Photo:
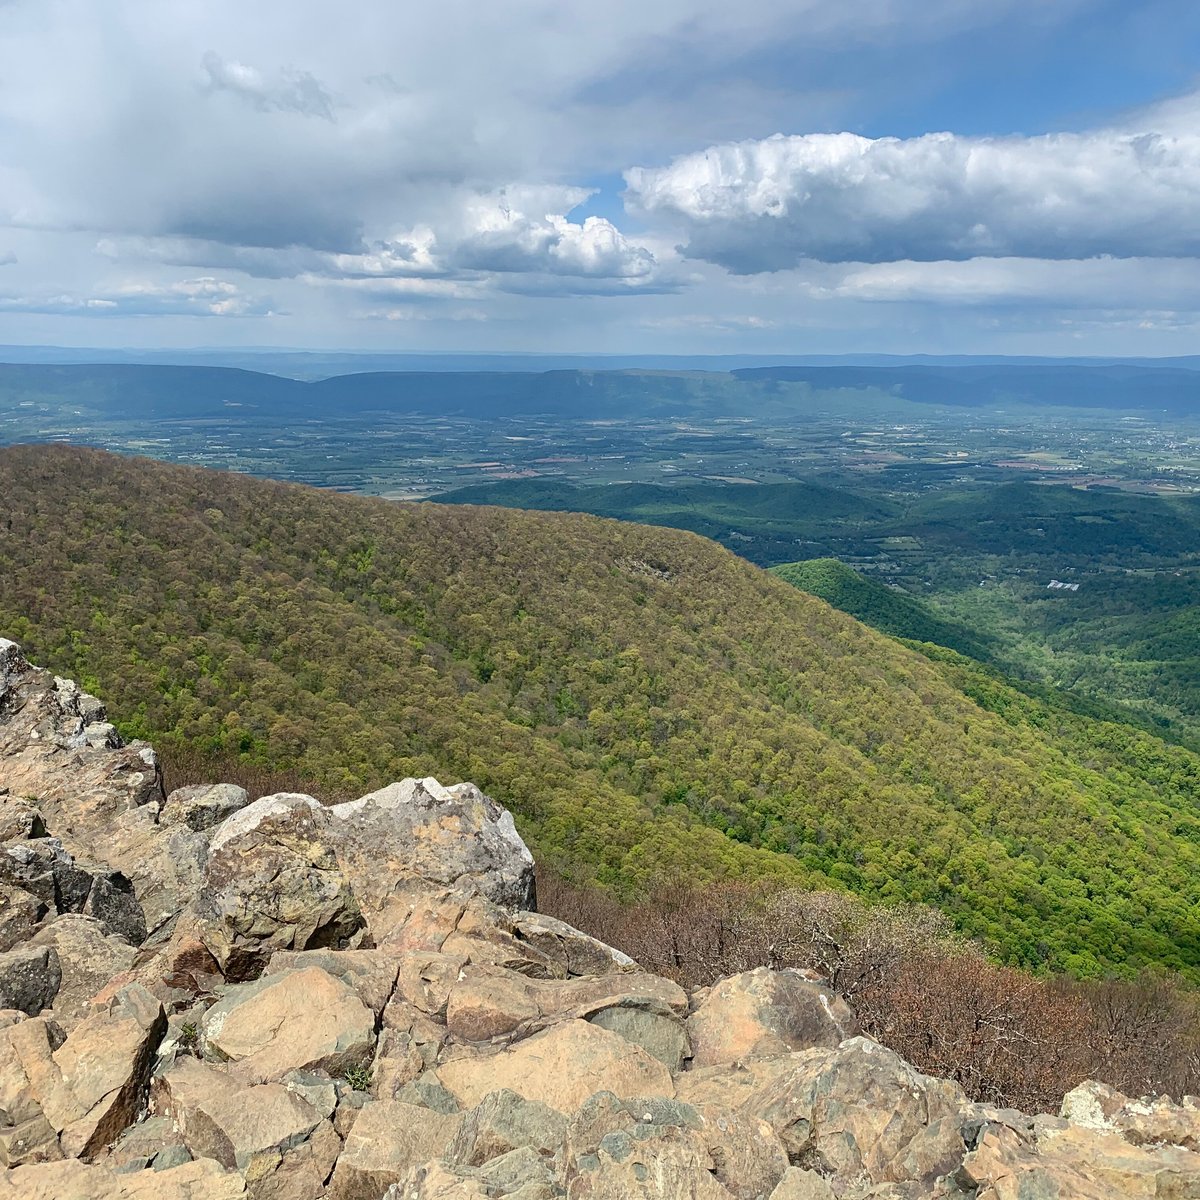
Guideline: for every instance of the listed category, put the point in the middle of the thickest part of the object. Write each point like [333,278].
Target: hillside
[649,705]
[884,608]
[980,557]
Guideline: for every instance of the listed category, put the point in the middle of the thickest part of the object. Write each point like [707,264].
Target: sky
[639,176]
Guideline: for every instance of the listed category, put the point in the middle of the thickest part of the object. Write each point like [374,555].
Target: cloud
[768,205]
[7,258]
[1171,284]
[517,231]
[526,231]
[294,91]
[203,297]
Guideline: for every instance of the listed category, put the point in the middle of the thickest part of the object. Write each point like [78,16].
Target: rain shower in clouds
[784,176]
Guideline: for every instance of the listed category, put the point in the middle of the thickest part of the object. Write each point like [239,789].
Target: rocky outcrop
[208,996]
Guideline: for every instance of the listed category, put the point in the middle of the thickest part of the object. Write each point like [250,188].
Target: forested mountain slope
[885,608]
[649,704]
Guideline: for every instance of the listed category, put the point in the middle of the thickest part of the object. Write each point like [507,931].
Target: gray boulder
[272,882]
[443,835]
[203,806]
[30,977]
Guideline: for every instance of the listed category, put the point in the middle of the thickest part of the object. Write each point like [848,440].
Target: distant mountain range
[157,390]
[320,364]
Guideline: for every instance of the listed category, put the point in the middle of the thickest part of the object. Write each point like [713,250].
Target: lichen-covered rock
[273,883]
[639,1148]
[848,1113]
[520,1174]
[418,828]
[20,914]
[1156,1121]
[302,1020]
[504,1121]
[203,806]
[152,1144]
[30,977]
[65,884]
[20,820]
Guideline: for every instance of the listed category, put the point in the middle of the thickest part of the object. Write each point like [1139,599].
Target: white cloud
[770,204]
[1096,283]
[203,297]
[526,231]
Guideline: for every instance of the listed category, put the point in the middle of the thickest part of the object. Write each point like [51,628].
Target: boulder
[487,1003]
[152,1144]
[64,884]
[576,953]
[849,1113]
[798,1184]
[560,1067]
[1154,1121]
[43,868]
[418,916]
[443,835]
[520,1174]
[203,806]
[302,1020]
[111,900]
[203,1180]
[272,882]
[645,1163]
[241,1126]
[764,1013]
[490,1006]
[30,977]
[370,974]
[1084,1162]
[738,1153]
[387,1140]
[661,1035]
[105,1065]
[504,1121]
[88,1088]
[56,747]
[20,820]
[20,913]
[88,956]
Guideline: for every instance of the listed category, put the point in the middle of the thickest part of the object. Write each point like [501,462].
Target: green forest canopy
[648,704]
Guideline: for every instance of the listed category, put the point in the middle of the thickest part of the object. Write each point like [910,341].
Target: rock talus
[209,995]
